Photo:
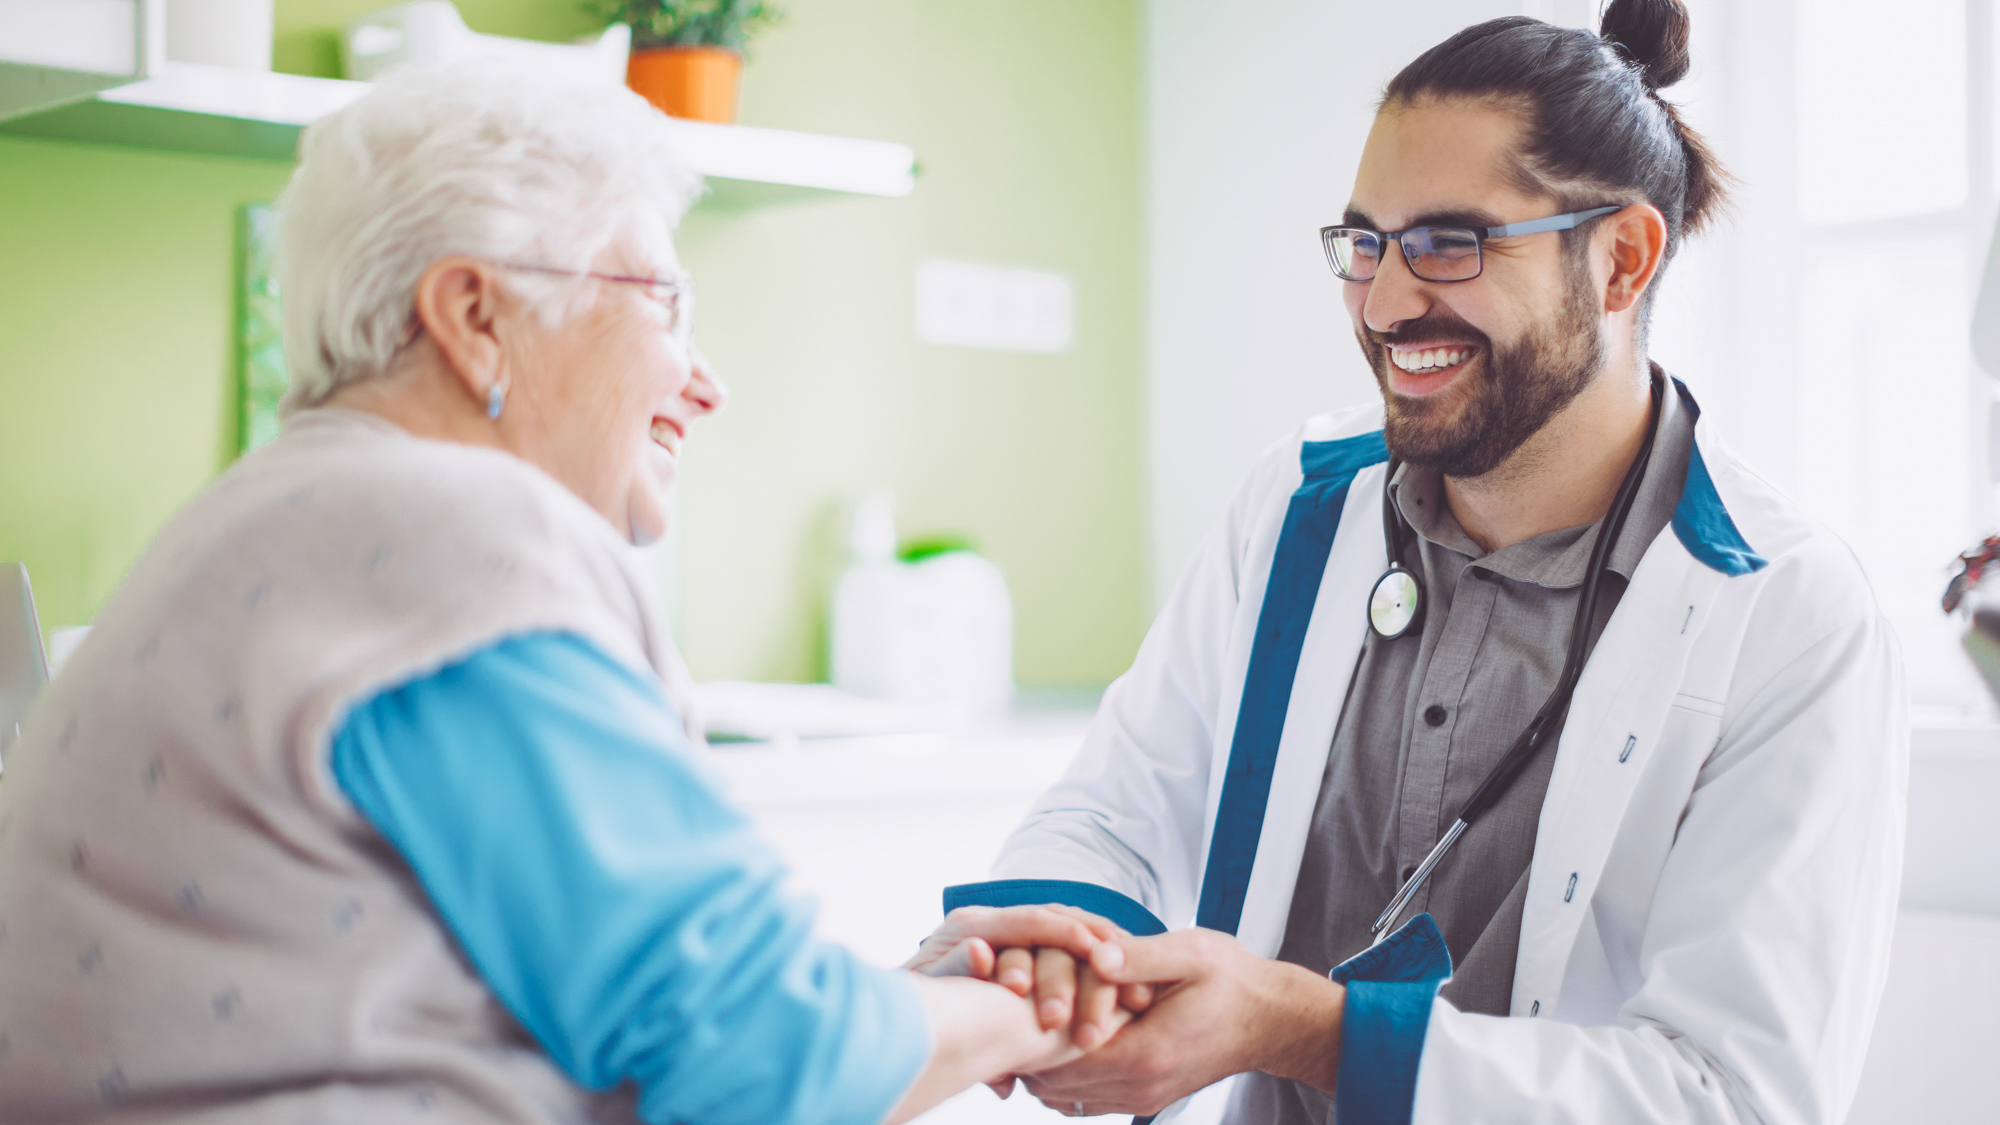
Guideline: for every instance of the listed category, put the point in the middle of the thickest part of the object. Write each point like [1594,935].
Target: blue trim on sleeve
[1414,954]
[1311,521]
[1701,522]
[1390,989]
[620,908]
[1101,901]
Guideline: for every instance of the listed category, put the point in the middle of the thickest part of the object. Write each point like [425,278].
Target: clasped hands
[1147,1020]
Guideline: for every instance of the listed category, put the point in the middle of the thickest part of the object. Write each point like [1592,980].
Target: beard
[1502,398]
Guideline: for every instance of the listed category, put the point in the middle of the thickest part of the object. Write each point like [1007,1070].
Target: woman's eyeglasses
[1433,253]
[675,294]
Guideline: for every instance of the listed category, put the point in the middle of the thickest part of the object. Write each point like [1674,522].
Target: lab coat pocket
[1698,705]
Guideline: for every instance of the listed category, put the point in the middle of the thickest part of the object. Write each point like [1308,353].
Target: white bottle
[871,627]
[937,633]
[220,32]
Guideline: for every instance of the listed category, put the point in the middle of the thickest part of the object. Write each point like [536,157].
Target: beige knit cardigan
[195,925]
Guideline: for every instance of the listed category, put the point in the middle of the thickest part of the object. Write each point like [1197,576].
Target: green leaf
[688,23]
[931,546]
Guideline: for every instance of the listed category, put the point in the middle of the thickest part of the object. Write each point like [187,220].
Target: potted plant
[687,55]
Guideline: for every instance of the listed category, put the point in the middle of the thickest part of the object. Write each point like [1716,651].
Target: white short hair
[470,159]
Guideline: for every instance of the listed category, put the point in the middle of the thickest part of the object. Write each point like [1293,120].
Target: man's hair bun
[1651,35]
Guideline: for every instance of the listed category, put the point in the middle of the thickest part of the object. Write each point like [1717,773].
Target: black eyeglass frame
[1479,236]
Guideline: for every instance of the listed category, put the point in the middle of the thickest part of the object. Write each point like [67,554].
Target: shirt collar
[1561,559]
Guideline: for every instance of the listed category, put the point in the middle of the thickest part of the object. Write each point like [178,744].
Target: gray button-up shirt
[1426,719]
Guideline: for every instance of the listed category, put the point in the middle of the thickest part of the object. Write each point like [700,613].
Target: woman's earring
[496,399]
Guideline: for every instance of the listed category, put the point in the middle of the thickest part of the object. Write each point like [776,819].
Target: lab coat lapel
[1319,689]
[1639,666]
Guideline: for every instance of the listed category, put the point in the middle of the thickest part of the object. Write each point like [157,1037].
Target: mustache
[1431,326]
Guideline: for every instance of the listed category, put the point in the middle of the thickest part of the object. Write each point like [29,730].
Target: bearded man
[1511,752]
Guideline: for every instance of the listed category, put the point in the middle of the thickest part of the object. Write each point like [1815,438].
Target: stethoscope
[1396,605]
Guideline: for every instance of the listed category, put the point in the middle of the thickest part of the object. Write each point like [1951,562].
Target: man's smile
[1426,369]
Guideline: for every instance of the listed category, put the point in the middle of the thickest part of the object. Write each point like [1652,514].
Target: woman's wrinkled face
[602,400]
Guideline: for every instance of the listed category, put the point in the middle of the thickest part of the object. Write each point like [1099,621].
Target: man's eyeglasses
[1433,253]
[675,294]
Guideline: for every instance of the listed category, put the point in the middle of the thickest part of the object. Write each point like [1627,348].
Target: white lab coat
[1715,874]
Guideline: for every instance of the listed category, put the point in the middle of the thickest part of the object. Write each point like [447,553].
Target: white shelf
[245,95]
[68,70]
[746,165]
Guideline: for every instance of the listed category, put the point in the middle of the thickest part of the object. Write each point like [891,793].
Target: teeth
[665,436]
[1430,359]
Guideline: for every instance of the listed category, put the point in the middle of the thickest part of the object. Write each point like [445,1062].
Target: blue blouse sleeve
[623,910]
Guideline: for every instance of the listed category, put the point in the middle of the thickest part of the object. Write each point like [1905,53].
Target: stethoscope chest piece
[1395,603]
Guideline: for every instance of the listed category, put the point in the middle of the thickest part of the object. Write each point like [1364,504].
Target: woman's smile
[668,434]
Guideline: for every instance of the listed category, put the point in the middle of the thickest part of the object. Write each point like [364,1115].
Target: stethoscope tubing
[1555,710]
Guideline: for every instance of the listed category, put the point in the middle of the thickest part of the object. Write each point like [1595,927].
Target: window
[1893,411]
[1882,109]
[1828,321]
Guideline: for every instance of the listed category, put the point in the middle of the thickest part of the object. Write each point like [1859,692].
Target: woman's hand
[1066,989]
[1059,978]
[1043,955]
[980,1033]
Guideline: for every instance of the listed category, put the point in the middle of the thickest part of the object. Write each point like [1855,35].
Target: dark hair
[1596,124]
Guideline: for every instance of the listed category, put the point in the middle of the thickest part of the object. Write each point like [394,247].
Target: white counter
[1932,1055]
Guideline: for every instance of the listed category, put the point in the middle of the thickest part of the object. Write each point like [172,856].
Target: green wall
[116,326]
[1028,143]
[116,345]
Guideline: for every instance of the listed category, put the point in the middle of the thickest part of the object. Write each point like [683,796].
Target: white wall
[1256,117]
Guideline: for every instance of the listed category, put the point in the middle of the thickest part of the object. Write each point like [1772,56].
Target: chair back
[24,667]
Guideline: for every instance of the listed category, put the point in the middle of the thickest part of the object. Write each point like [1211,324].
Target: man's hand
[1066,990]
[974,1039]
[1220,1010]
[1039,953]
[964,945]
[1100,1006]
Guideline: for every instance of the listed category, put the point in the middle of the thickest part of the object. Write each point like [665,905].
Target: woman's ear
[457,303]
[1638,243]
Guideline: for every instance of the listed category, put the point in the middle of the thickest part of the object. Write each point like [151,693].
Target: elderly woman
[374,796]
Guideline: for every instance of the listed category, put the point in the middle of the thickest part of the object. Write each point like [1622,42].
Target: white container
[938,633]
[220,32]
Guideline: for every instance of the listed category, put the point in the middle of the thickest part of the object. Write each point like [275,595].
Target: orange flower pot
[696,82]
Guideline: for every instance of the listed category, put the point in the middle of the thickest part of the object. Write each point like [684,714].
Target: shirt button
[1434,715]
[1409,870]
[1481,573]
